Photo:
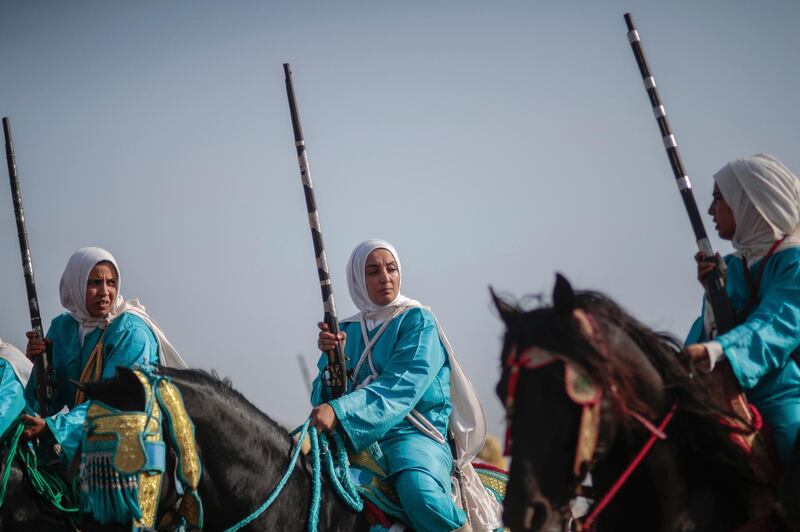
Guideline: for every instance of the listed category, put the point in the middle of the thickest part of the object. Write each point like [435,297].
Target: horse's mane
[223,387]
[697,423]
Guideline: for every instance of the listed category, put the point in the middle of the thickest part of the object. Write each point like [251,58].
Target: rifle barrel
[336,362]
[39,369]
[714,282]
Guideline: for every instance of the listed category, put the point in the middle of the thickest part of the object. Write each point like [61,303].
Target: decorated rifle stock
[336,363]
[714,282]
[43,390]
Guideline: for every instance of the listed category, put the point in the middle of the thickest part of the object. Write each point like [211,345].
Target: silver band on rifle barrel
[322,262]
[649,82]
[670,142]
[300,143]
[684,183]
[326,282]
[705,246]
[329,305]
[659,111]
[633,36]
[27,264]
[313,221]
[305,177]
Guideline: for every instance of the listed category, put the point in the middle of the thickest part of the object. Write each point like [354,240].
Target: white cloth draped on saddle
[18,362]
[73,298]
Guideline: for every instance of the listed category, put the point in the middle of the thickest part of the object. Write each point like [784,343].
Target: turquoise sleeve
[56,402]
[769,335]
[130,347]
[320,393]
[29,394]
[696,333]
[12,402]
[67,429]
[368,413]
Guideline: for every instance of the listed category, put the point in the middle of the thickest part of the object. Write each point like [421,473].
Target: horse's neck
[232,430]
[671,489]
[647,382]
[243,453]
[654,494]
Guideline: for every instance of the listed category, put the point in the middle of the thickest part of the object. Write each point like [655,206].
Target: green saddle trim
[368,469]
[180,432]
[494,481]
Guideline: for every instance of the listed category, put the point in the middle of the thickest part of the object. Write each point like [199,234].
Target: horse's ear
[507,311]
[563,296]
[127,377]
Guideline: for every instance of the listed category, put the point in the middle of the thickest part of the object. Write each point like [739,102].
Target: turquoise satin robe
[12,401]
[127,342]
[414,373]
[761,348]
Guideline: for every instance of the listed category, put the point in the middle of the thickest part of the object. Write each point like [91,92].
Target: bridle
[583,391]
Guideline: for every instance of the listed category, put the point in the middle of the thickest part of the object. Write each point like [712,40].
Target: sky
[493,143]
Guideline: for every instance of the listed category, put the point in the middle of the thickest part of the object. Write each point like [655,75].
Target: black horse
[692,478]
[243,452]
[23,510]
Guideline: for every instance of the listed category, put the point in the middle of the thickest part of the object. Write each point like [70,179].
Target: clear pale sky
[494,143]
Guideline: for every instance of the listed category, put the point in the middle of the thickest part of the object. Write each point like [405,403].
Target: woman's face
[722,214]
[101,289]
[383,277]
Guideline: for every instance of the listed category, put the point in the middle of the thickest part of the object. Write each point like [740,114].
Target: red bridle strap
[657,434]
[531,358]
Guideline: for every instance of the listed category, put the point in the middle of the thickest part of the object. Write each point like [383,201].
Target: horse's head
[569,376]
[124,391]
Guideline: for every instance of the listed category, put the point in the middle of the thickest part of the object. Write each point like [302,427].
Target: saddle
[382,506]
[746,426]
[123,456]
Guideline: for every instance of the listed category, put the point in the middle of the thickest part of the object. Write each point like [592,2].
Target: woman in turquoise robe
[15,370]
[99,332]
[399,392]
[757,206]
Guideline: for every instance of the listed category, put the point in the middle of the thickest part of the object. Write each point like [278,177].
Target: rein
[47,485]
[655,434]
[319,448]
[755,283]
[535,358]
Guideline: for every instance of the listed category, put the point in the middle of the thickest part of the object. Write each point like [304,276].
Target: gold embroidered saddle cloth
[123,456]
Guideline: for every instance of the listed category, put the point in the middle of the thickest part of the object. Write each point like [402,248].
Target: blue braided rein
[342,484]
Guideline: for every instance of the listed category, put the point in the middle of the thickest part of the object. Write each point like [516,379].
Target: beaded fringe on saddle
[111,497]
[382,505]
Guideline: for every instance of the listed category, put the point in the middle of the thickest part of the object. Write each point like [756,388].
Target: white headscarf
[19,363]
[357,285]
[764,196]
[73,298]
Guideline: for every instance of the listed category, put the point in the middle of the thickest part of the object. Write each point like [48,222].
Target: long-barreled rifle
[43,389]
[725,389]
[714,281]
[336,363]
